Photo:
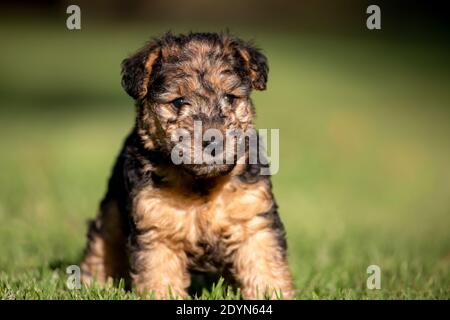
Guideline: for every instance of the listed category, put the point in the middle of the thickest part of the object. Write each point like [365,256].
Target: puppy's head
[195,82]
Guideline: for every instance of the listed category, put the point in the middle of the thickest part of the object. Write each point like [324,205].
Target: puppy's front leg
[261,268]
[159,270]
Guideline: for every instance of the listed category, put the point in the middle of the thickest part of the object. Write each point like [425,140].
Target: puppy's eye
[230,98]
[179,102]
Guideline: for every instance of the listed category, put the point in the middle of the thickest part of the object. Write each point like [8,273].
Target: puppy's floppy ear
[255,64]
[137,69]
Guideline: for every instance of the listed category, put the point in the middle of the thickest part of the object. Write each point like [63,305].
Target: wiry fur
[159,221]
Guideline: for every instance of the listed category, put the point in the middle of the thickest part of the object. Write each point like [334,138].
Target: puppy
[160,219]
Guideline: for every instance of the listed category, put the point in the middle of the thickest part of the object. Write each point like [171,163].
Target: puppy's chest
[206,227]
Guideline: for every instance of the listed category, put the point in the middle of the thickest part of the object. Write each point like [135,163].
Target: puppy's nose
[213,144]
[206,143]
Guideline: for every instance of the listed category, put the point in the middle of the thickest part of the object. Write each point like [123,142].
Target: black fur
[134,71]
[144,159]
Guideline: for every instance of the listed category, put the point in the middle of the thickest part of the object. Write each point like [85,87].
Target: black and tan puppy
[159,221]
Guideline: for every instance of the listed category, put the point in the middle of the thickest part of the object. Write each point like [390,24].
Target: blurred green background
[364,125]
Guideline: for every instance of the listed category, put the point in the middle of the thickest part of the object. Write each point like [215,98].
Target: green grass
[364,167]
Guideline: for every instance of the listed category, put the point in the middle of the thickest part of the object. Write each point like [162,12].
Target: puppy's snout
[206,143]
[213,143]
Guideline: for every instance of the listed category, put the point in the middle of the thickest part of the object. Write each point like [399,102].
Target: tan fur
[260,268]
[105,257]
[218,218]
[148,67]
[229,217]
